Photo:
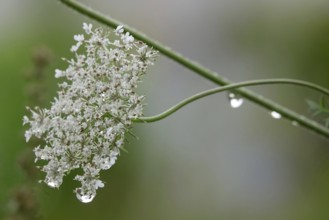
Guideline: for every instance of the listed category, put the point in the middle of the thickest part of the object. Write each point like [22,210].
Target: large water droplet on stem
[235,100]
[275,115]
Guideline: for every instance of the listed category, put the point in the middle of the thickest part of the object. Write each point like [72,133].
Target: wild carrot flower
[86,124]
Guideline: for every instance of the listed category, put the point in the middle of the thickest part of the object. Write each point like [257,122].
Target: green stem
[230,87]
[197,68]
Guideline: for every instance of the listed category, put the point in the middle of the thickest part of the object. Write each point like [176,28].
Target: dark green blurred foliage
[22,202]
[293,41]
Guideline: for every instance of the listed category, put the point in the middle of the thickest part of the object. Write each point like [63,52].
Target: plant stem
[230,87]
[199,69]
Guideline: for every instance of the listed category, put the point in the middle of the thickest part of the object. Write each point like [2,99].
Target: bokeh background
[207,161]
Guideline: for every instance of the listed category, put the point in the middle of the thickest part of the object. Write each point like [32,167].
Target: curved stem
[230,87]
[199,69]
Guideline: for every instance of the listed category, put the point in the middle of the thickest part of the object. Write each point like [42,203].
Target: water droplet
[36,131]
[275,115]
[235,100]
[53,184]
[295,123]
[103,97]
[85,198]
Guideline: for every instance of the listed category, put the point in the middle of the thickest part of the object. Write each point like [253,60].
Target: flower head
[86,124]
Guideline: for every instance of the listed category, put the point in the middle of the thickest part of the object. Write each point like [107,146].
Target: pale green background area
[207,161]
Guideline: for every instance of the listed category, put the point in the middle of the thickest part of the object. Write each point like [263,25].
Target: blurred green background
[207,161]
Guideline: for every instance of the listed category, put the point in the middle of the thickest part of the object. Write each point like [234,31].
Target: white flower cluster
[86,124]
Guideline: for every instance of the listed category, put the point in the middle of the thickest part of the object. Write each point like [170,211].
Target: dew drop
[37,130]
[235,100]
[275,115]
[103,97]
[53,184]
[294,123]
[86,198]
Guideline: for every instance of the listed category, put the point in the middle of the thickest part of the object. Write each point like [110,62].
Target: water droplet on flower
[103,97]
[37,130]
[53,183]
[235,100]
[85,198]
[275,115]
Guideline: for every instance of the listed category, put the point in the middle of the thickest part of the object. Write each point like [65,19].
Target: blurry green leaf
[323,102]
[326,122]
[316,113]
[312,105]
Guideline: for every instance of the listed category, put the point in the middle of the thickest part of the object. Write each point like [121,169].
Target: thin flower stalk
[230,87]
[201,70]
